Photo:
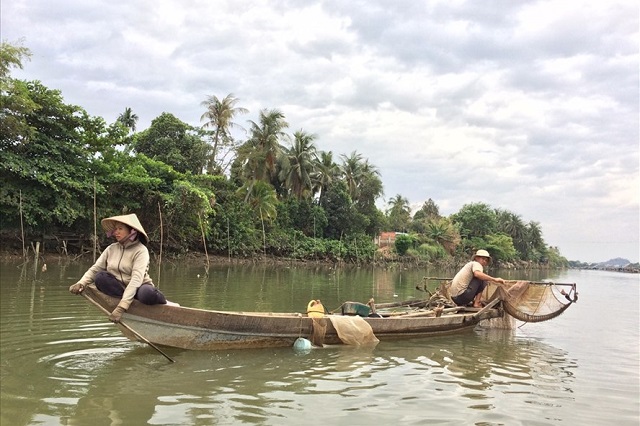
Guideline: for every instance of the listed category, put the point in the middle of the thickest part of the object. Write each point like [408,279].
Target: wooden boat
[198,329]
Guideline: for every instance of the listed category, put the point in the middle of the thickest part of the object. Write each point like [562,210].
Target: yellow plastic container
[315,309]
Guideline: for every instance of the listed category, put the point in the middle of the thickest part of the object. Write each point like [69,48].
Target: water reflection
[260,386]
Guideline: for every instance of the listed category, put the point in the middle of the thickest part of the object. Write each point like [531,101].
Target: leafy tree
[232,226]
[11,56]
[51,168]
[343,219]
[173,142]
[369,185]
[219,117]
[184,225]
[369,190]
[99,139]
[15,100]
[403,243]
[475,220]
[429,210]
[501,247]
[303,216]
[555,259]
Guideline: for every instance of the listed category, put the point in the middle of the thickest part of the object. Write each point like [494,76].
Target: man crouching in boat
[470,281]
[122,269]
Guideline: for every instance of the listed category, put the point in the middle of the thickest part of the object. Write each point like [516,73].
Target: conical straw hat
[131,220]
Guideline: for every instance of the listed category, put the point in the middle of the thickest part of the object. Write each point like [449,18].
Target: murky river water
[62,363]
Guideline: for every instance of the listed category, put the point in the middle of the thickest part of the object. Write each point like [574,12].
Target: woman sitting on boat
[122,269]
[470,281]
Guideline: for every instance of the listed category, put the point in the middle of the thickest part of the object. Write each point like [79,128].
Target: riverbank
[382,259]
[70,247]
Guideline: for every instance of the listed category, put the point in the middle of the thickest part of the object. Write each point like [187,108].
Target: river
[63,363]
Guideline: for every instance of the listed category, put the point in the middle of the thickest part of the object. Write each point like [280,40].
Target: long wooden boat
[198,329]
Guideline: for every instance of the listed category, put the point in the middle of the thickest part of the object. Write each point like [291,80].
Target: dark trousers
[475,286]
[147,293]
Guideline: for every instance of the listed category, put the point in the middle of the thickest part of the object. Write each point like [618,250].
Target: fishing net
[532,302]
[318,330]
[353,330]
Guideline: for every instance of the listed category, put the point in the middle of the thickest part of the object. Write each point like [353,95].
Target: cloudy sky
[529,106]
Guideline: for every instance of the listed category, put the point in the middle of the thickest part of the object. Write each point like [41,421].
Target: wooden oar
[138,335]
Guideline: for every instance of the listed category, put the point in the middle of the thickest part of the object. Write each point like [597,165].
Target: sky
[527,106]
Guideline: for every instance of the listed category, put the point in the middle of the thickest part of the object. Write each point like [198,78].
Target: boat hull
[198,329]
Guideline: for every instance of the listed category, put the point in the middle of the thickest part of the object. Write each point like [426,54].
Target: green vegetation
[274,194]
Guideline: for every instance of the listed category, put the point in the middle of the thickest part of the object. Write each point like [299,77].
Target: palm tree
[444,232]
[128,119]
[512,225]
[263,148]
[325,171]
[297,165]
[352,169]
[219,117]
[262,198]
[534,238]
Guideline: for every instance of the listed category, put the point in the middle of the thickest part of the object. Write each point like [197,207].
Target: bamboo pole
[24,250]
[36,256]
[204,241]
[138,335]
[95,220]
[161,241]
[506,281]
[228,241]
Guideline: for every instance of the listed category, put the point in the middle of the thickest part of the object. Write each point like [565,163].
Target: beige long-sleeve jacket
[128,262]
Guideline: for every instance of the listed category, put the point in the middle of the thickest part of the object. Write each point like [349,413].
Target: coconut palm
[219,117]
[128,119]
[297,165]
[325,171]
[512,225]
[262,199]
[352,169]
[263,148]
[534,238]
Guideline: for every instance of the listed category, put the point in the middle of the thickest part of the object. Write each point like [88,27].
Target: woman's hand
[77,288]
[116,314]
